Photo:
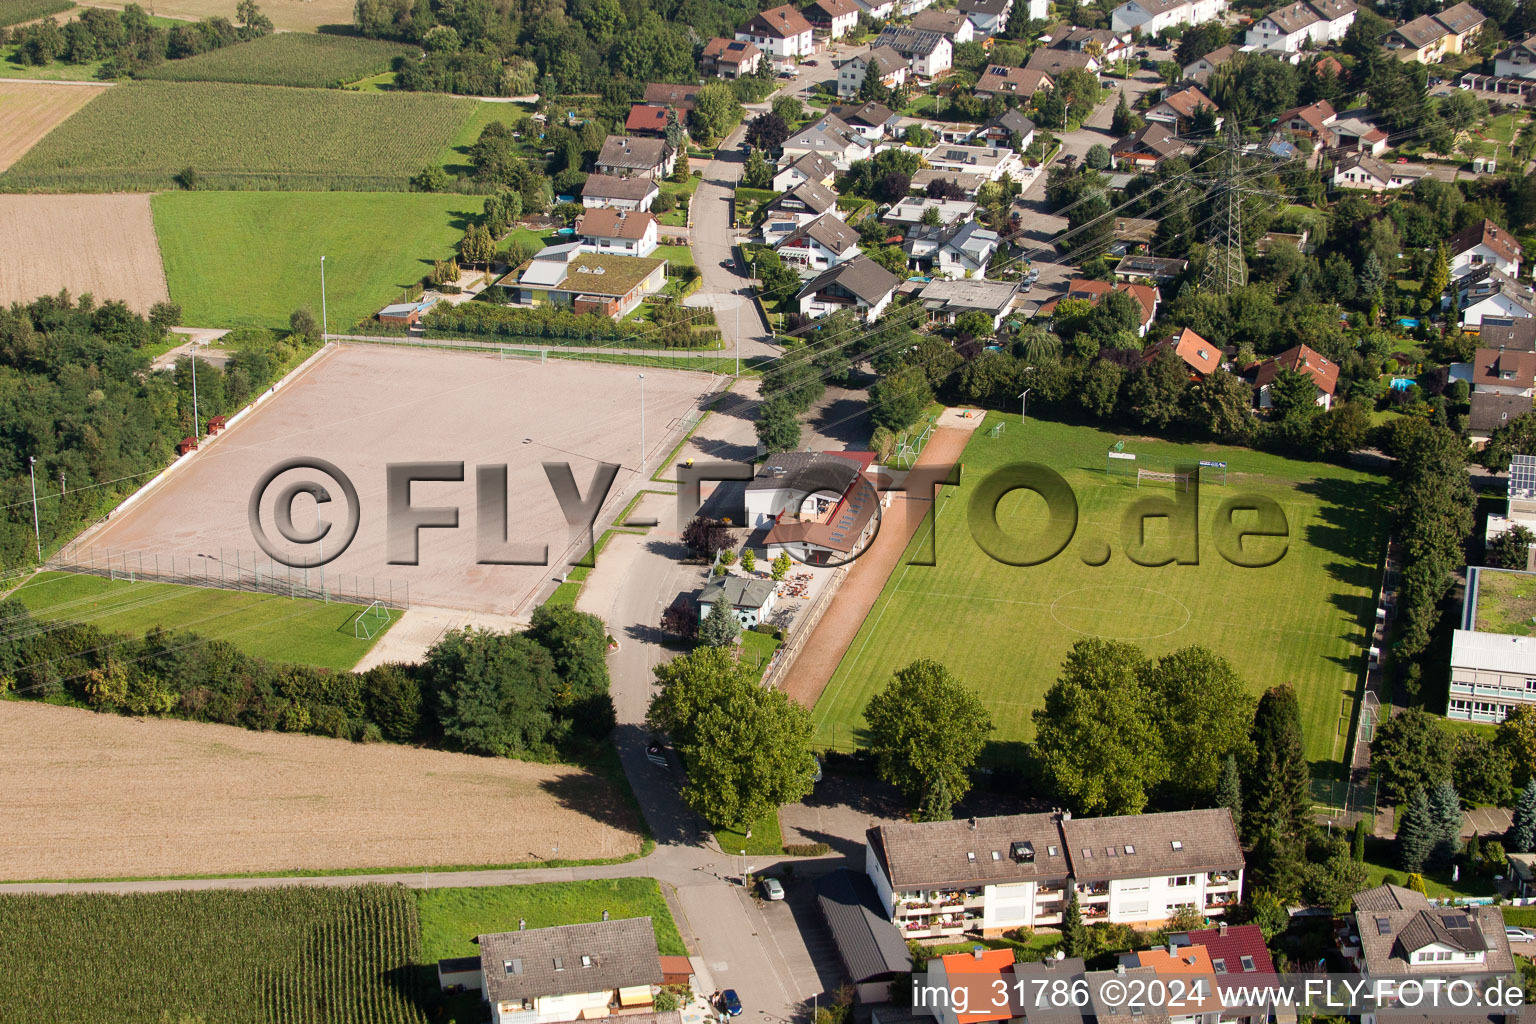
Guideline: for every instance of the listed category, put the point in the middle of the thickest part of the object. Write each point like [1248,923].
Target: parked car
[773,889]
[1519,934]
[730,1003]
[807,63]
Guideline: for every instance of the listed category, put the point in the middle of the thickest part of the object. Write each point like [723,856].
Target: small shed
[676,970]
[459,973]
[188,444]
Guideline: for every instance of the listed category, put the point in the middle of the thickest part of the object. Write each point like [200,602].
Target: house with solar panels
[820,507]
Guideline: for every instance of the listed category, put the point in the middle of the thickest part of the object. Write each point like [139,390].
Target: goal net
[997,428]
[1180,481]
[370,620]
[536,355]
[125,575]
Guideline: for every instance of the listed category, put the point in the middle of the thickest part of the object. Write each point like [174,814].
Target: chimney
[1221,928]
[1173,948]
[978,951]
[1119,968]
[972,823]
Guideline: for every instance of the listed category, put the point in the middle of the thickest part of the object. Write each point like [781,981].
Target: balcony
[1091,912]
[1092,889]
[1222,899]
[1220,878]
[1048,891]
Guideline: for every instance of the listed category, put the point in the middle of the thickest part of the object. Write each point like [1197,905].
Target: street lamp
[36,529]
[324,325]
[642,422]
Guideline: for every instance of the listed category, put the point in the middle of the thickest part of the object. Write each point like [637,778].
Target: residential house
[831,138]
[1430,38]
[780,32]
[1010,128]
[730,58]
[1491,411]
[1053,62]
[750,599]
[1518,60]
[1199,69]
[1494,671]
[877,10]
[819,507]
[894,70]
[966,182]
[1363,171]
[1313,122]
[832,18]
[615,193]
[1519,510]
[1493,295]
[1353,133]
[990,875]
[929,54]
[872,951]
[946,300]
[806,167]
[1270,239]
[1303,359]
[1159,270]
[587,282]
[1000,80]
[955,25]
[570,972]
[1132,233]
[628,157]
[1306,22]
[991,162]
[875,121]
[859,284]
[1186,969]
[1104,44]
[799,206]
[911,211]
[1235,949]
[1396,936]
[1202,358]
[1181,107]
[819,244]
[991,16]
[1147,296]
[1147,147]
[1483,245]
[669,94]
[952,250]
[1514,335]
[1149,17]
[650,119]
[1501,372]
[621,232]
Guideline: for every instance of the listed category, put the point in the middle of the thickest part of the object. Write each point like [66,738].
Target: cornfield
[142,136]
[344,955]
[14,12]
[286,58]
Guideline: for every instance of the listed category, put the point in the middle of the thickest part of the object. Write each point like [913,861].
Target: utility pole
[37,530]
[324,324]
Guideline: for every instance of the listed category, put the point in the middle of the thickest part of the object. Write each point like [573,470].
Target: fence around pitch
[234,570]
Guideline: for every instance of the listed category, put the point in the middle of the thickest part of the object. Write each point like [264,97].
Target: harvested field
[287,58]
[29,110]
[102,796]
[287,15]
[104,245]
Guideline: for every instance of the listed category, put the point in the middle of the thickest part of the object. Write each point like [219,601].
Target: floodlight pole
[324,324]
[642,423]
[36,529]
[196,432]
[1024,403]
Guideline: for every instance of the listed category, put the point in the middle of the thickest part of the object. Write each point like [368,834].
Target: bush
[807,849]
[663,203]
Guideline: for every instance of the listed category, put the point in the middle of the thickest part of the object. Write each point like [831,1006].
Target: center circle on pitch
[1120,612]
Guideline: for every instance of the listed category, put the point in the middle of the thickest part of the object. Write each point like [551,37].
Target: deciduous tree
[927,729]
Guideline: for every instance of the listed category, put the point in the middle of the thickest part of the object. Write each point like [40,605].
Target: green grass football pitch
[249,259]
[1004,630]
[265,625]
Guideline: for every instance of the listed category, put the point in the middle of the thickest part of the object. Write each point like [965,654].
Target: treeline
[128,42]
[672,326]
[536,695]
[77,394]
[586,46]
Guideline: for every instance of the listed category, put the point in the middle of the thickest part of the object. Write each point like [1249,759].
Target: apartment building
[939,879]
[1297,25]
[1493,670]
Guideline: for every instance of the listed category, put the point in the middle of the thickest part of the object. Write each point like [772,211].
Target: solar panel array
[1522,476]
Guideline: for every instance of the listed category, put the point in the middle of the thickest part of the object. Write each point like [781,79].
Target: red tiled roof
[782,22]
[1487,233]
[1201,356]
[647,117]
[1303,359]
[1093,291]
[1239,940]
[606,223]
